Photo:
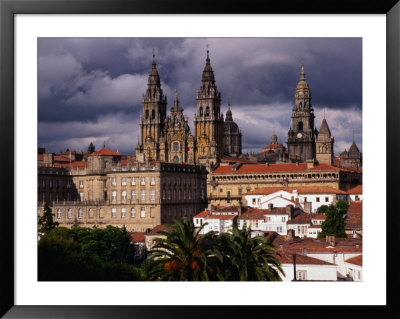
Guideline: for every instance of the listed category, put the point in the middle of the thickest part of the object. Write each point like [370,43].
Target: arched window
[153,114]
[175,146]
[300,106]
[305,105]
[201,111]
[207,111]
[147,114]
[300,126]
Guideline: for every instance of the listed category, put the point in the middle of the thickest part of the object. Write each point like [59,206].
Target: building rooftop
[355,260]
[355,190]
[299,189]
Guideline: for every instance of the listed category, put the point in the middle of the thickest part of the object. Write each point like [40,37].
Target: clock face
[299,135]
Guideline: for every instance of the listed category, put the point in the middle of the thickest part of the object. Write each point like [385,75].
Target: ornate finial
[104,145]
[302,74]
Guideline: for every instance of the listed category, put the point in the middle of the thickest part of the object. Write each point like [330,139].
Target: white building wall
[313,272]
[354,271]
[335,258]
[276,223]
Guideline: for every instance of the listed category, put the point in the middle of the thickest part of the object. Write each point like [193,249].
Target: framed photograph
[93,43]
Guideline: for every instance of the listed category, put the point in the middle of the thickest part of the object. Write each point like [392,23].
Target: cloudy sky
[90,89]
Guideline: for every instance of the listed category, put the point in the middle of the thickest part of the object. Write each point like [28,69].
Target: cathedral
[168,137]
[305,143]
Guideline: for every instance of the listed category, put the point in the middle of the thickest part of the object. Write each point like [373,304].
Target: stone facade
[139,196]
[324,144]
[227,183]
[168,138]
[351,158]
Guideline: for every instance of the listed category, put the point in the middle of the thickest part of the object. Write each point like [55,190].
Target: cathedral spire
[228,116]
[176,107]
[208,73]
[302,74]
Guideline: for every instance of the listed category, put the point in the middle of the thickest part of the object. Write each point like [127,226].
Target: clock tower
[301,135]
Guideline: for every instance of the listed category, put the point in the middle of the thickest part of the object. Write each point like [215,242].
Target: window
[326,199]
[114,195]
[184,194]
[283,219]
[142,212]
[253,201]
[59,214]
[152,194]
[80,213]
[142,181]
[189,194]
[143,195]
[201,111]
[68,184]
[113,212]
[176,159]
[56,184]
[123,181]
[152,180]
[38,211]
[44,184]
[302,275]
[51,197]
[123,212]
[317,199]
[113,181]
[69,213]
[175,146]
[240,191]
[81,196]
[133,213]
[123,195]
[163,194]
[133,195]
[80,184]
[50,183]
[169,194]
[133,181]
[279,229]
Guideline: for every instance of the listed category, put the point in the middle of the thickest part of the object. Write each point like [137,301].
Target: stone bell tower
[301,135]
[208,120]
[154,106]
[324,144]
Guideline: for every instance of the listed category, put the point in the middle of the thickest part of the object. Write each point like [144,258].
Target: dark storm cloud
[91,89]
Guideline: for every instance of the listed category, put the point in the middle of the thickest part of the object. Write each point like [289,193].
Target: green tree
[323,209]
[46,222]
[334,222]
[184,254]
[248,259]
[91,148]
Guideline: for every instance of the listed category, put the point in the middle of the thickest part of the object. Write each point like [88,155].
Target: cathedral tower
[324,144]
[208,120]
[154,105]
[301,136]
[177,145]
[232,135]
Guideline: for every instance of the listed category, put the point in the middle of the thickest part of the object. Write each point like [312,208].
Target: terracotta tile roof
[302,219]
[203,214]
[300,190]
[311,245]
[318,216]
[355,190]
[105,151]
[77,164]
[353,222]
[60,158]
[137,237]
[355,208]
[270,147]
[286,199]
[221,209]
[156,229]
[254,213]
[287,258]
[355,260]
[314,226]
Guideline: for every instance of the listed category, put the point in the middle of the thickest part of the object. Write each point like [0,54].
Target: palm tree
[248,259]
[184,254]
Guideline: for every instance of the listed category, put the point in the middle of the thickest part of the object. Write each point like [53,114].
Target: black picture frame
[9,8]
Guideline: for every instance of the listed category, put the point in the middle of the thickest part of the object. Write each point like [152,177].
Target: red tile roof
[156,229]
[318,216]
[254,213]
[60,158]
[355,190]
[270,147]
[203,214]
[287,258]
[105,151]
[355,208]
[302,219]
[286,199]
[355,260]
[300,190]
[137,237]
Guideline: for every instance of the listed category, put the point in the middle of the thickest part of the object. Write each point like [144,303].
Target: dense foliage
[184,254]
[334,223]
[87,254]
[46,222]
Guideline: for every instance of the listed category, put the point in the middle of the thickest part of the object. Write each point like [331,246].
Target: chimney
[289,211]
[310,164]
[270,206]
[307,207]
[330,239]
[297,163]
[290,234]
